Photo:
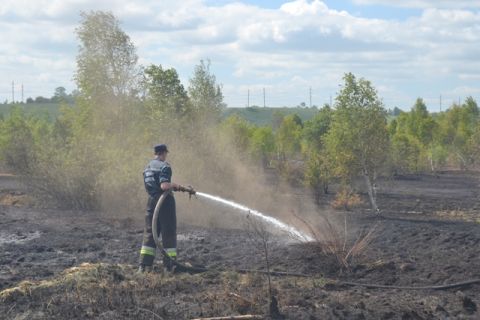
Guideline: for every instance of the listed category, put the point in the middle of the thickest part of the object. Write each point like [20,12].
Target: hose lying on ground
[190,269]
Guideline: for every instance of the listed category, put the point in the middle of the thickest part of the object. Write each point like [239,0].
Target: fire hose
[180,267]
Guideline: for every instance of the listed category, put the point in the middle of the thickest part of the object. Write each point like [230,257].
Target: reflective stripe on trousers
[171,252]
[148,251]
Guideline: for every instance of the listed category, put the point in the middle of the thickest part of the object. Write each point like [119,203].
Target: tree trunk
[371,191]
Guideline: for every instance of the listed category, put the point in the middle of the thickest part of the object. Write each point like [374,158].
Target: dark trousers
[166,226]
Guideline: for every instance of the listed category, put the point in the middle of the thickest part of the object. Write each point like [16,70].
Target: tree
[288,137]
[318,171]
[17,145]
[107,61]
[357,141]
[395,112]
[414,140]
[288,148]
[41,99]
[205,94]
[165,92]
[238,132]
[262,144]
[421,124]
[315,129]
[107,76]
[277,119]
[457,127]
[60,95]
[407,153]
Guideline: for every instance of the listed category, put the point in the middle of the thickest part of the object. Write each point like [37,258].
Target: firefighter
[158,179]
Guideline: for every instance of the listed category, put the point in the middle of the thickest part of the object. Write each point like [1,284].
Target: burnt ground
[57,264]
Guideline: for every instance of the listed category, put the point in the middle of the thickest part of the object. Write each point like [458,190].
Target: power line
[310,97]
[264,105]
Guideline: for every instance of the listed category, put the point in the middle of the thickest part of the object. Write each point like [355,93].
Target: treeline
[93,154]
[59,96]
[353,138]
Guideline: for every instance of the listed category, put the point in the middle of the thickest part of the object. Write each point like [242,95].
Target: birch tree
[357,141]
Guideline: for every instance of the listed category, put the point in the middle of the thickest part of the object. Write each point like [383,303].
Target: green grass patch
[265,116]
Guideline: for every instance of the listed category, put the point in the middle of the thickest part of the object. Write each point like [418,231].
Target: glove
[188,189]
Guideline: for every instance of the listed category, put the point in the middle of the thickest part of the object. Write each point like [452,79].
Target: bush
[17,142]
[346,199]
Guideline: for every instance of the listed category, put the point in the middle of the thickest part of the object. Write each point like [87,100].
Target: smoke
[200,156]
[210,163]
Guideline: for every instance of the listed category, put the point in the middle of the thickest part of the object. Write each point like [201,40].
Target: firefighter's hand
[188,189]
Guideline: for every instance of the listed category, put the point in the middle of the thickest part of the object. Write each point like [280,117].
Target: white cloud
[254,47]
[423,3]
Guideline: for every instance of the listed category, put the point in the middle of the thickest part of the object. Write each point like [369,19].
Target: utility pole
[310,97]
[264,97]
[22,92]
[248,98]
[440,103]
[331,101]
[13,91]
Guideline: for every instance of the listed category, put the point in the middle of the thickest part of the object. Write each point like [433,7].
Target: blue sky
[407,48]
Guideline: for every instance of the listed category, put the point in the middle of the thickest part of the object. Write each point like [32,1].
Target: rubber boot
[144,269]
[168,265]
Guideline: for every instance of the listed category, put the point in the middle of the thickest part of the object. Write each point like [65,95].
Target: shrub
[346,199]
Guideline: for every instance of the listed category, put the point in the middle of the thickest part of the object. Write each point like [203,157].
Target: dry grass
[333,241]
[464,215]
[346,199]
[16,199]
[90,290]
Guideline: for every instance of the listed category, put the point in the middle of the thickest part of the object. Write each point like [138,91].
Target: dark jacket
[155,174]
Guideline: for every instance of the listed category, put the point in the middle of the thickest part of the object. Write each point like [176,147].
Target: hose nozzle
[188,189]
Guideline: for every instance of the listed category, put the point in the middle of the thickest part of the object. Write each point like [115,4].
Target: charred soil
[57,264]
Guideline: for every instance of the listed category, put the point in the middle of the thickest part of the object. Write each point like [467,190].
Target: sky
[407,49]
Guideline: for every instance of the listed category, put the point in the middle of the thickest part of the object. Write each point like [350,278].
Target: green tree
[277,119]
[358,139]
[457,126]
[288,138]
[205,94]
[17,143]
[262,144]
[238,132]
[315,129]
[60,95]
[107,61]
[407,153]
[414,140]
[318,169]
[288,148]
[165,94]
[318,172]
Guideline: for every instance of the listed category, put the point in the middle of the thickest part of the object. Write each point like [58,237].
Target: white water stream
[270,220]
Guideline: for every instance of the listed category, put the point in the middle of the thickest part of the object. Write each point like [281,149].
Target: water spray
[277,224]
